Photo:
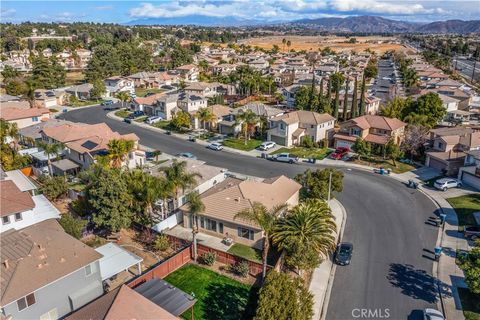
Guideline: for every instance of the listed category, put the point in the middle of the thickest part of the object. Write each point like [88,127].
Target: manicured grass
[164,124]
[218,297]
[240,144]
[143,92]
[387,164]
[309,153]
[122,113]
[246,252]
[141,119]
[83,103]
[470,304]
[465,206]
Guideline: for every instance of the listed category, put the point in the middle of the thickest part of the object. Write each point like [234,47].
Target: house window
[18,216]
[202,222]
[6,220]
[34,119]
[245,233]
[356,132]
[282,126]
[26,301]
[88,270]
[220,227]
[440,145]
[312,126]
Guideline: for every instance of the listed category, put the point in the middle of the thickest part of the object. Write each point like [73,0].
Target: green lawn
[143,92]
[470,304]
[83,103]
[141,119]
[164,124]
[240,144]
[464,207]
[316,153]
[219,297]
[122,113]
[387,164]
[246,252]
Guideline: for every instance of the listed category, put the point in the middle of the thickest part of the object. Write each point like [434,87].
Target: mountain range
[355,24]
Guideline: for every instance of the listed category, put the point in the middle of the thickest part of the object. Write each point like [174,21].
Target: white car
[215,146]
[447,183]
[267,145]
[285,157]
[152,120]
[432,314]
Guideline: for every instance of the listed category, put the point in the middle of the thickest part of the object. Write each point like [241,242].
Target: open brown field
[314,43]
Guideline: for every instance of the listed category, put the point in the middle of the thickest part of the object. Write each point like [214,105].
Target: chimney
[6,264]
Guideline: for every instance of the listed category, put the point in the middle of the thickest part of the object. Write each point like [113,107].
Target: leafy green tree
[396,108]
[98,89]
[9,73]
[265,218]
[414,140]
[133,58]
[110,200]
[302,98]
[470,265]
[308,226]
[118,150]
[123,96]
[315,183]
[71,225]
[393,151]
[105,62]
[429,105]
[53,187]
[248,120]
[181,121]
[284,297]
[205,115]
[196,207]
[48,73]
[362,147]
[371,70]
[337,79]
[161,243]
[15,87]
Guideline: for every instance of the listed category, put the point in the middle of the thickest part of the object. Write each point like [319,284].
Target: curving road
[390,274]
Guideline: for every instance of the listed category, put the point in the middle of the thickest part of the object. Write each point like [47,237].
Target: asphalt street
[390,276]
[465,67]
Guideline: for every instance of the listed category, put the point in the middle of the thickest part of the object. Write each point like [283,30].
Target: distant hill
[360,24]
[451,26]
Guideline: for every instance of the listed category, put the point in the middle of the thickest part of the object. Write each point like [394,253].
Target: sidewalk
[322,279]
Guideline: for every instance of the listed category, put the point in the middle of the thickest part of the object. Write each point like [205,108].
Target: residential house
[291,128]
[371,128]
[46,273]
[203,89]
[226,199]
[371,104]
[45,98]
[288,94]
[81,92]
[19,208]
[470,172]
[220,112]
[22,114]
[223,69]
[189,72]
[165,106]
[31,135]
[448,147]
[147,104]
[115,85]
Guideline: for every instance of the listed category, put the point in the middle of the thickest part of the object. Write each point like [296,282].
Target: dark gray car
[343,254]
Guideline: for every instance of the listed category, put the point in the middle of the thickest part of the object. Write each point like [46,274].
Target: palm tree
[284,41]
[196,206]
[310,224]
[118,150]
[179,178]
[265,218]
[248,119]
[205,115]
[50,149]
[289,43]
[123,96]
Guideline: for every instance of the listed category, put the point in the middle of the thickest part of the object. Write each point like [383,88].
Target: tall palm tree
[205,115]
[123,96]
[196,206]
[118,150]
[178,177]
[248,119]
[265,218]
[284,41]
[311,224]
[50,149]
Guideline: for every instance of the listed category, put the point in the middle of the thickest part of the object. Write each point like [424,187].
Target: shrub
[162,243]
[242,268]
[80,206]
[71,225]
[53,187]
[208,258]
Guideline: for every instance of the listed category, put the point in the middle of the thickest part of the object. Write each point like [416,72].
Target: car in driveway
[187,155]
[215,146]
[339,153]
[447,183]
[267,145]
[471,232]
[285,157]
[343,254]
[432,314]
[154,119]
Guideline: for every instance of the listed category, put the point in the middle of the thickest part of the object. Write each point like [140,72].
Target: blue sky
[262,10]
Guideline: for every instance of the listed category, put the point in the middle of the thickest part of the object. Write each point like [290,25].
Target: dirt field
[314,43]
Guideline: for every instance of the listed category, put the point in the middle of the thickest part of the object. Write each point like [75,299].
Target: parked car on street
[267,145]
[447,183]
[152,120]
[432,314]
[107,103]
[343,254]
[187,155]
[472,232]
[339,153]
[285,157]
[215,146]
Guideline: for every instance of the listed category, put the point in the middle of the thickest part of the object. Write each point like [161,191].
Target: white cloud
[7,13]
[377,7]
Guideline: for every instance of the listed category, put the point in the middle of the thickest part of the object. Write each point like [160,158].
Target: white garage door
[342,143]
[471,180]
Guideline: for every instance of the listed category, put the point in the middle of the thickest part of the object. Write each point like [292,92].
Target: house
[22,114]
[203,89]
[84,141]
[121,303]
[46,273]
[117,84]
[291,128]
[223,69]
[219,113]
[81,92]
[188,72]
[31,135]
[45,98]
[470,172]
[371,128]
[164,106]
[448,147]
[224,200]
[147,104]
[288,94]
[20,209]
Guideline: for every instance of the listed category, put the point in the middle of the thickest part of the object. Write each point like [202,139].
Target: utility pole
[329,186]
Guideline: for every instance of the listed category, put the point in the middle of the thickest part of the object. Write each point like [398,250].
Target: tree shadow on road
[416,283]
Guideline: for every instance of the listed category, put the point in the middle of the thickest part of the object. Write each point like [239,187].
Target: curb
[326,299]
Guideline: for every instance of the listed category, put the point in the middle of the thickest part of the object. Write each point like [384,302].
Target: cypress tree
[362,97]
[345,101]
[337,100]
[320,94]
[354,100]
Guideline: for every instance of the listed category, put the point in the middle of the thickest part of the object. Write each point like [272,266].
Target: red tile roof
[13,200]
